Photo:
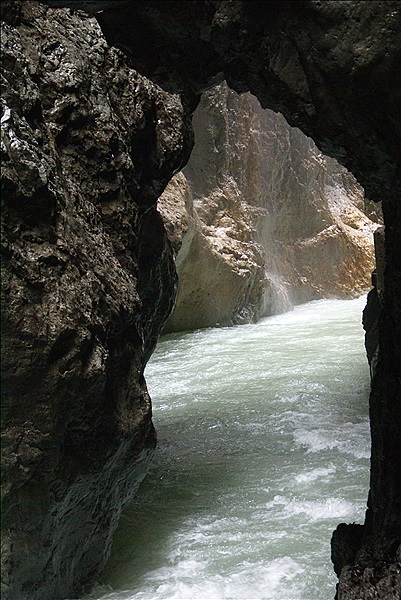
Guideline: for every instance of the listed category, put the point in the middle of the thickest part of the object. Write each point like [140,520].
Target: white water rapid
[263,449]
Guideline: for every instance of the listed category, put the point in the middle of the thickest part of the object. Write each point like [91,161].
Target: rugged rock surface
[332,69]
[87,282]
[272,222]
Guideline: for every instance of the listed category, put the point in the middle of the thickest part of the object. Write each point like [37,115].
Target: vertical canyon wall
[87,282]
[260,219]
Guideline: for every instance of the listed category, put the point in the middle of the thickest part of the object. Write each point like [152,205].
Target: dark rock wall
[332,68]
[79,315]
[87,283]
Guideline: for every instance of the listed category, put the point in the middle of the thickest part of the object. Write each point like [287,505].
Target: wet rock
[370,321]
[345,543]
[381,581]
[332,69]
[87,283]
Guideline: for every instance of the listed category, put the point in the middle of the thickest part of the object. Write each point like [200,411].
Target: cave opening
[99,276]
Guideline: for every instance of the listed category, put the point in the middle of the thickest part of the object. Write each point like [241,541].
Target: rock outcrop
[87,283]
[331,68]
[266,221]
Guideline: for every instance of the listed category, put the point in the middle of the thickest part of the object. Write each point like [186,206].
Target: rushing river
[263,449]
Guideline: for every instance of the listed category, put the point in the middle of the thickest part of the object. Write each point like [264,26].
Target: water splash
[263,449]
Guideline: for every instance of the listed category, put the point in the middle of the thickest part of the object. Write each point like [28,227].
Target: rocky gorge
[93,129]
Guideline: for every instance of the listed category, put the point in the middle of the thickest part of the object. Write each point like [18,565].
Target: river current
[263,449]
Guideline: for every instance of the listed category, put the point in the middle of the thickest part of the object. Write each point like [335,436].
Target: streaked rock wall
[269,221]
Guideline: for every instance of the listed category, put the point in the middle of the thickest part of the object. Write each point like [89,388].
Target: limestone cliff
[87,282]
[265,220]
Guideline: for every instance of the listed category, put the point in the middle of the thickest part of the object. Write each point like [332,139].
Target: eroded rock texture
[332,69]
[266,221]
[87,282]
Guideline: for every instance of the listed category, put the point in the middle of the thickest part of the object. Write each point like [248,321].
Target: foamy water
[263,449]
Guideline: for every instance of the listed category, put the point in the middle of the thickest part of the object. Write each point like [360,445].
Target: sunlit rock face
[87,283]
[265,220]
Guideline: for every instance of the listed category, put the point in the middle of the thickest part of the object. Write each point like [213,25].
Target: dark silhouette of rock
[87,283]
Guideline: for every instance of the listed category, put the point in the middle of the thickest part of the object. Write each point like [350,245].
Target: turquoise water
[263,449]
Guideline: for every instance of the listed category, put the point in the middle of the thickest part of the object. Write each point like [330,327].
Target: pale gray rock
[270,221]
